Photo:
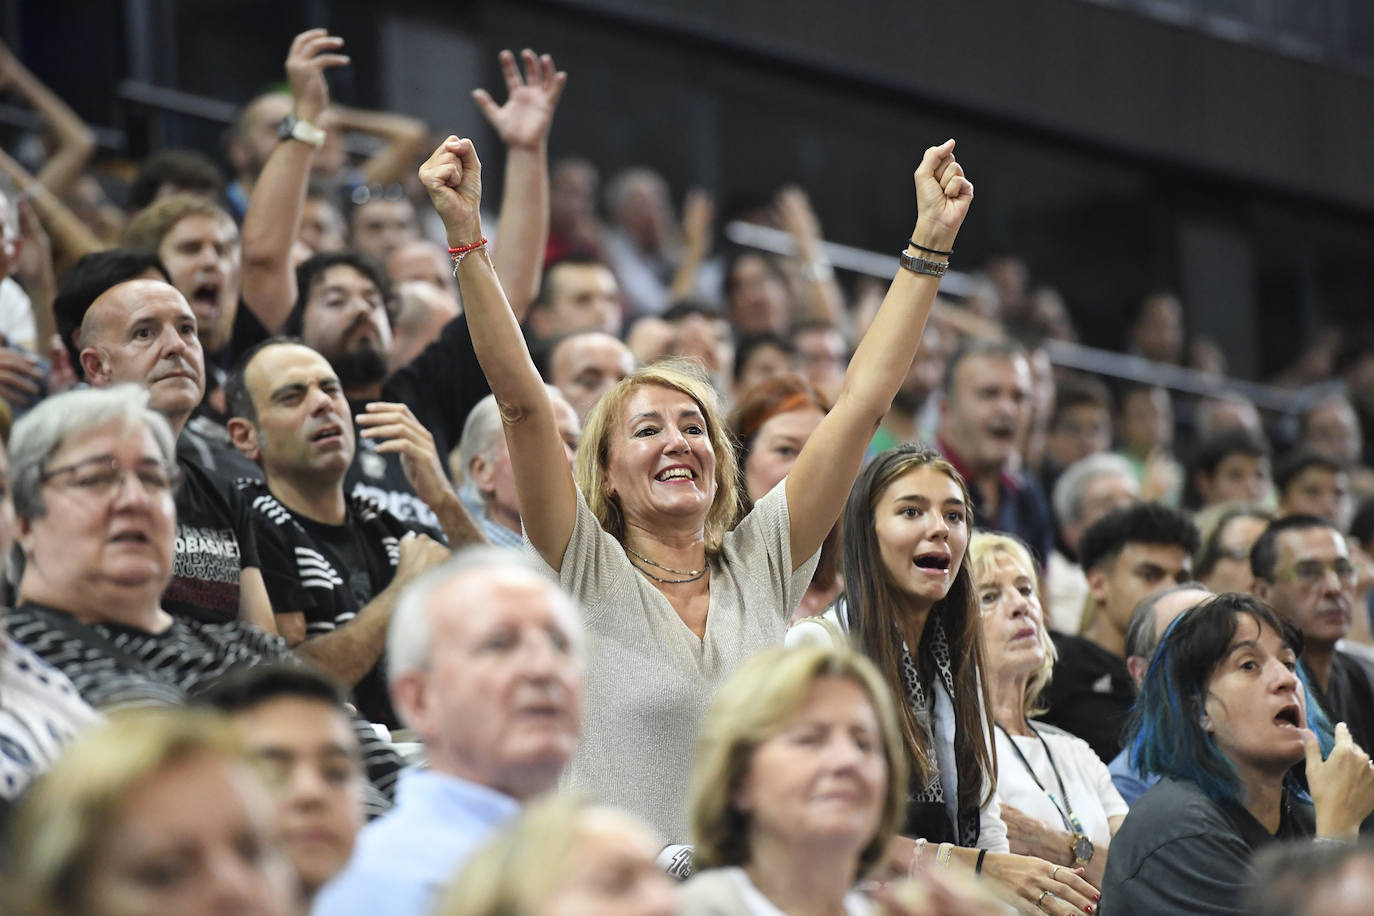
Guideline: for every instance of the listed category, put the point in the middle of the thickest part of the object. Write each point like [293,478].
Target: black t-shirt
[246,334]
[440,386]
[1349,698]
[329,573]
[214,543]
[215,452]
[1180,852]
[1090,694]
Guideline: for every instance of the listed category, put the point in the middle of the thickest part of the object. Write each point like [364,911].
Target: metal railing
[1110,363]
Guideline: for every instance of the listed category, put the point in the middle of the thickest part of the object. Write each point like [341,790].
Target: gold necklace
[694,573]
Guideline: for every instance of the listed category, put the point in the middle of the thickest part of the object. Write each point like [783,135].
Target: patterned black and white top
[40,713]
[329,573]
[115,666]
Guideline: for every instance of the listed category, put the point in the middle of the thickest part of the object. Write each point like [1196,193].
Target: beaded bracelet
[459,253]
[913,244]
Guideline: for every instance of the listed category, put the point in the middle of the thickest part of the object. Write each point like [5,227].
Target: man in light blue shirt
[485,664]
[1151,617]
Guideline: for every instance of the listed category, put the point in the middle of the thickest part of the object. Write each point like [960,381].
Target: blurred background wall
[1218,147]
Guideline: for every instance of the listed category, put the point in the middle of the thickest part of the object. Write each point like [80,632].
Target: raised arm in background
[274,212]
[698,211]
[75,141]
[71,237]
[403,136]
[821,298]
[819,482]
[544,485]
[36,273]
[523,126]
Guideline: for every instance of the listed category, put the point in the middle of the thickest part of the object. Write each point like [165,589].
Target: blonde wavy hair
[71,809]
[594,451]
[983,550]
[519,871]
[753,705]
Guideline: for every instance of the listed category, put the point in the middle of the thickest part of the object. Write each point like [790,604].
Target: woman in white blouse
[1057,798]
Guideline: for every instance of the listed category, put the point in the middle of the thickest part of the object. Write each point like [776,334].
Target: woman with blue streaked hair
[1223,719]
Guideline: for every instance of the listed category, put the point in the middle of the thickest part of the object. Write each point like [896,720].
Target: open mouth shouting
[1290,716]
[1002,432]
[933,563]
[205,299]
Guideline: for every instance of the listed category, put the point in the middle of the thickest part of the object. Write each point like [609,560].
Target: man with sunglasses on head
[1302,567]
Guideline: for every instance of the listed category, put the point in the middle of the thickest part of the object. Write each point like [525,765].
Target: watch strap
[294,128]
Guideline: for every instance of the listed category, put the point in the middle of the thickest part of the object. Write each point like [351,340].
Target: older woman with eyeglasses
[94,473]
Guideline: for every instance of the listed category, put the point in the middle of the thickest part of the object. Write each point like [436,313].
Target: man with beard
[1302,567]
[338,303]
[985,414]
[344,315]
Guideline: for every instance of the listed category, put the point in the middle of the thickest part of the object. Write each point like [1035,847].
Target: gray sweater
[649,678]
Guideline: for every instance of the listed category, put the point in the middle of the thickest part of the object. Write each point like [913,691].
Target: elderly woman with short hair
[94,471]
[1058,801]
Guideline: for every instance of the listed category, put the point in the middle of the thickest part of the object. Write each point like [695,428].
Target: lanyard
[1071,822]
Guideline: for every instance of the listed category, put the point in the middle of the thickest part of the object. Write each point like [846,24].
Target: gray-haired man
[485,664]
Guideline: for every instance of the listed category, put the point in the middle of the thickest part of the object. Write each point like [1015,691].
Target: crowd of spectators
[373,546]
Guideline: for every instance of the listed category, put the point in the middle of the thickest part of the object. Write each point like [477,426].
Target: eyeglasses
[102,476]
[1310,573]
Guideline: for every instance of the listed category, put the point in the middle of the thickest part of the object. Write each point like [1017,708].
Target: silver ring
[1054,872]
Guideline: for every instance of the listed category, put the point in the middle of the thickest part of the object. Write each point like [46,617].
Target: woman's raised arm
[544,485]
[825,470]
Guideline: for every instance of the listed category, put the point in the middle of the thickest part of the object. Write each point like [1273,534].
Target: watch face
[1082,848]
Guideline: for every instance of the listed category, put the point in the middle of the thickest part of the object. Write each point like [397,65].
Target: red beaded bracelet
[466,248]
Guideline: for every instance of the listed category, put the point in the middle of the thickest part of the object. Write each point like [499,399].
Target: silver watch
[293,128]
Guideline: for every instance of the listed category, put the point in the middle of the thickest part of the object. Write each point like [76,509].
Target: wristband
[912,243]
[923,265]
[978,867]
